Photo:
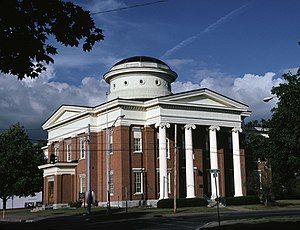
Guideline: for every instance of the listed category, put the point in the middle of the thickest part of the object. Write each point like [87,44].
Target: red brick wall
[149,138]
[221,165]
[243,169]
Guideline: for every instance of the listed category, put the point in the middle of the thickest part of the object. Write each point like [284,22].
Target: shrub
[242,200]
[76,204]
[182,202]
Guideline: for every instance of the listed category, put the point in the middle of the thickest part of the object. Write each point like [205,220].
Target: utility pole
[89,196]
[175,168]
[107,156]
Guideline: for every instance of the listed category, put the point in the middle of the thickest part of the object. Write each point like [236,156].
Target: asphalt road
[194,221]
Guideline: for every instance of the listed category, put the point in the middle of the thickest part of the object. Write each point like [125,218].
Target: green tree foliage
[285,132]
[28,29]
[19,160]
[282,149]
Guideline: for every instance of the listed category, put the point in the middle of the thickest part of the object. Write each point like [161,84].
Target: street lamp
[267,99]
[109,132]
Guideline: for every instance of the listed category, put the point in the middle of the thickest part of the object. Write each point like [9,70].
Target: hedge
[196,202]
[182,202]
[242,200]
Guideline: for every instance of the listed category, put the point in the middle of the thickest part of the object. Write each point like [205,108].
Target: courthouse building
[130,140]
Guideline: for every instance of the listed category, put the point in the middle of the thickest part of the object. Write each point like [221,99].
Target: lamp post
[109,132]
[267,99]
[215,173]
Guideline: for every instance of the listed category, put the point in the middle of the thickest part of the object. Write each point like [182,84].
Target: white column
[189,162]
[163,169]
[238,189]
[213,149]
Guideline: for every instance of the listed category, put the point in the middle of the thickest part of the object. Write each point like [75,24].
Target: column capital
[236,130]
[190,126]
[214,128]
[162,125]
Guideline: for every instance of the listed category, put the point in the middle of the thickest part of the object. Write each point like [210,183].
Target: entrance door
[51,192]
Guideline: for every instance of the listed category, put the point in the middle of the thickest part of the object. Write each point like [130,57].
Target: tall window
[138,182]
[82,148]
[82,183]
[137,140]
[168,182]
[69,153]
[110,144]
[56,152]
[111,182]
[168,148]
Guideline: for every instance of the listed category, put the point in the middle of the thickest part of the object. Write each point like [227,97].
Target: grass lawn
[26,214]
[279,205]
[119,213]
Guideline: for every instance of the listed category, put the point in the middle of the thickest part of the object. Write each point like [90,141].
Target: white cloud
[32,101]
[249,89]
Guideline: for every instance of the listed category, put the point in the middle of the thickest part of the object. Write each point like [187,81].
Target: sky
[239,48]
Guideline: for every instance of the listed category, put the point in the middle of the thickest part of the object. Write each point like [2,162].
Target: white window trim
[168,148]
[84,148]
[111,142]
[169,182]
[138,129]
[141,172]
[69,152]
[81,177]
[56,151]
[111,183]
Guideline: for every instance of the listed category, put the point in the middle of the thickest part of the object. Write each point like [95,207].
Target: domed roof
[141,59]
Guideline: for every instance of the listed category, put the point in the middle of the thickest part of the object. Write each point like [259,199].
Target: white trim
[82,148]
[141,173]
[69,152]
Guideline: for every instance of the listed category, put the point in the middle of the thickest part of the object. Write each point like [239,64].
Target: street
[191,221]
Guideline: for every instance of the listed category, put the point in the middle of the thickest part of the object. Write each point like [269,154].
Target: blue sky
[239,48]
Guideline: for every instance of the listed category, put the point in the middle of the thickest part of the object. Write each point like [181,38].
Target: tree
[28,27]
[259,148]
[285,133]
[19,160]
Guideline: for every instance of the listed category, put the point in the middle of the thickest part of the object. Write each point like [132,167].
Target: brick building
[131,137]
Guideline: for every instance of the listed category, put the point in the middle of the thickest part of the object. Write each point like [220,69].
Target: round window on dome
[125,83]
[114,86]
[157,82]
[142,82]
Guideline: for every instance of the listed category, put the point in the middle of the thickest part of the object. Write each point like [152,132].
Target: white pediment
[206,98]
[64,113]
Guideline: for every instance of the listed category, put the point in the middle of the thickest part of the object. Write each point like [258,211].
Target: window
[137,140]
[82,183]
[82,148]
[69,153]
[110,144]
[168,148]
[168,182]
[138,182]
[111,182]
[56,152]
